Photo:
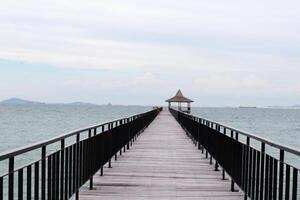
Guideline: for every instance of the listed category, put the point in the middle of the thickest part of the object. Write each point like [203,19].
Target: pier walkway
[162,164]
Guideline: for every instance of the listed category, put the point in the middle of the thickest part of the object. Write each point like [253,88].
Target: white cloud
[222,45]
[73,33]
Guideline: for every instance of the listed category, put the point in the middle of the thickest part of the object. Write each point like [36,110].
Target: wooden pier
[174,156]
[162,164]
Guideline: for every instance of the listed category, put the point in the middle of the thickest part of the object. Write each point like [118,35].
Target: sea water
[281,126]
[22,125]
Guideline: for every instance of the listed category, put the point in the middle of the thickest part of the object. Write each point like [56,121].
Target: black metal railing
[256,172]
[61,173]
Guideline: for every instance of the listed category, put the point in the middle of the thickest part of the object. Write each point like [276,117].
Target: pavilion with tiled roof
[179,98]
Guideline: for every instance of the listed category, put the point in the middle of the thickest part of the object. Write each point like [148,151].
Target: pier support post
[232,186]
[91,183]
[216,166]
[223,174]
[101,171]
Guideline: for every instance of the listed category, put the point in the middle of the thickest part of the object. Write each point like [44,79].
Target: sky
[219,53]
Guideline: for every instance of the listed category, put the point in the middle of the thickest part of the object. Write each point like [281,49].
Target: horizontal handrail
[251,135]
[61,173]
[259,174]
[17,151]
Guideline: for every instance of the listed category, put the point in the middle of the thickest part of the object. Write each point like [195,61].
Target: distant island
[19,101]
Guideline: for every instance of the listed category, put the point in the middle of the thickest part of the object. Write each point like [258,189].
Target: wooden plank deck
[162,164]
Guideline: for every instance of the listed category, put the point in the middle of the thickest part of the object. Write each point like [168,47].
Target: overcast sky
[220,53]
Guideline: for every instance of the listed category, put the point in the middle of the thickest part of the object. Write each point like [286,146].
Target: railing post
[216,165]
[223,171]
[281,165]
[76,161]
[62,167]
[91,178]
[129,138]
[216,162]
[101,171]
[1,188]
[132,139]
[232,182]
[295,184]
[118,123]
[198,131]
[262,167]
[287,181]
[110,126]
[246,172]
[121,147]
[116,154]
[43,175]
[11,164]
[109,163]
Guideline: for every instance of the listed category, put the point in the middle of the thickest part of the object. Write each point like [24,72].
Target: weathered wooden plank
[162,164]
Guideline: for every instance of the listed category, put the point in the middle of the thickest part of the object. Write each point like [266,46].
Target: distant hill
[18,101]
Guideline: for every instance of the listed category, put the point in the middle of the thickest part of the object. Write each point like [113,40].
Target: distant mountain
[18,101]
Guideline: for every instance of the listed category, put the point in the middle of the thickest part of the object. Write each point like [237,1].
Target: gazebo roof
[179,98]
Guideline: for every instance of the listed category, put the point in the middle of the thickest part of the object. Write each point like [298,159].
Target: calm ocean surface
[25,124]
[21,125]
[278,125]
